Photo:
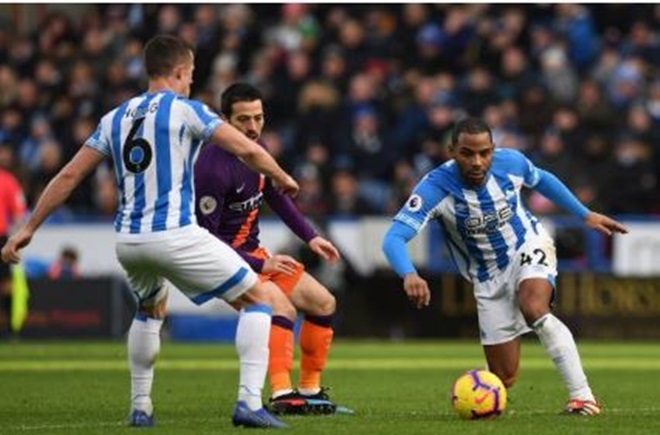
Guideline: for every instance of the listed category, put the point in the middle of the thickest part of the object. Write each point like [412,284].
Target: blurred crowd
[360,99]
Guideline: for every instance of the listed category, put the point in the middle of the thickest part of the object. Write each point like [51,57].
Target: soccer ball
[478,394]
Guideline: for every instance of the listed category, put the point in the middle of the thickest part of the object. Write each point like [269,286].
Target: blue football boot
[244,416]
[140,419]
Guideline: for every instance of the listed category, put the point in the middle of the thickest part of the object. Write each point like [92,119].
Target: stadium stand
[361,97]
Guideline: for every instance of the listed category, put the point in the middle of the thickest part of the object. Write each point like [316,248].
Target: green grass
[396,388]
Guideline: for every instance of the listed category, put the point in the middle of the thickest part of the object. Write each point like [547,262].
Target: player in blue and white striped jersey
[153,140]
[154,181]
[500,247]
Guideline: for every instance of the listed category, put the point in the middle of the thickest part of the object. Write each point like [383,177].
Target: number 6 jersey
[484,226]
[154,140]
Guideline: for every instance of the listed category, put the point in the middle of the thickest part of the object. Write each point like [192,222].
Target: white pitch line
[64,426]
[27,428]
[333,364]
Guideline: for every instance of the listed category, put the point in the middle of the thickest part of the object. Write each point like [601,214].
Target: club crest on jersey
[414,203]
[207,205]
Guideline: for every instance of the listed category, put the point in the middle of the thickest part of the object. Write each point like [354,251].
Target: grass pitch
[395,388]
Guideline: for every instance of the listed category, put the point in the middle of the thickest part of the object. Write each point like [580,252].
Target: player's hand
[280,263]
[324,249]
[286,184]
[604,224]
[11,250]
[417,290]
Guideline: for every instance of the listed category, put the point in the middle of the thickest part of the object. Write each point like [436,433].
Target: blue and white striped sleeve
[531,174]
[201,120]
[409,222]
[421,203]
[99,140]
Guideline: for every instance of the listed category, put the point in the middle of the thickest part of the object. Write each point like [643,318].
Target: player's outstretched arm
[257,158]
[54,195]
[285,208]
[553,189]
[394,248]
[604,224]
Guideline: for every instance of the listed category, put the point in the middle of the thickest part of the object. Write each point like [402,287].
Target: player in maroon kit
[229,196]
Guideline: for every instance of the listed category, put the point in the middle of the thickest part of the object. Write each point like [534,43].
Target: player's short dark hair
[164,52]
[470,126]
[236,93]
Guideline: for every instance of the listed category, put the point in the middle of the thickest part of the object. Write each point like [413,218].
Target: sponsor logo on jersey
[460,207]
[488,223]
[248,205]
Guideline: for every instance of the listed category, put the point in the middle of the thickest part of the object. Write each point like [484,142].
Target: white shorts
[500,318]
[193,260]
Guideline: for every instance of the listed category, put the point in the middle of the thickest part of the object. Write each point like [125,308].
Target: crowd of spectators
[360,99]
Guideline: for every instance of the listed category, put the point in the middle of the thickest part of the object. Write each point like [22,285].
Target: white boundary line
[333,364]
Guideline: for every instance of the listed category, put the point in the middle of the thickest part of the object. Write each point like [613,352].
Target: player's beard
[475,179]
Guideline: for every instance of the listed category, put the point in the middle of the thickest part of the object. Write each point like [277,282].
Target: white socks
[143,348]
[559,344]
[252,337]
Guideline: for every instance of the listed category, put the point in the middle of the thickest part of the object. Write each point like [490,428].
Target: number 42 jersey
[154,140]
[484,226]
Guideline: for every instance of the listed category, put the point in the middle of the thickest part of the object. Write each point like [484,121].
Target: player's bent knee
[285,311]
[330,305]
[533,309]
[157,311]
[283,307]
[532,314]
[325,306]
[259,293]
[534,297]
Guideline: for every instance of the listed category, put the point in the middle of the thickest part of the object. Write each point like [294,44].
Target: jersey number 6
[137,152]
